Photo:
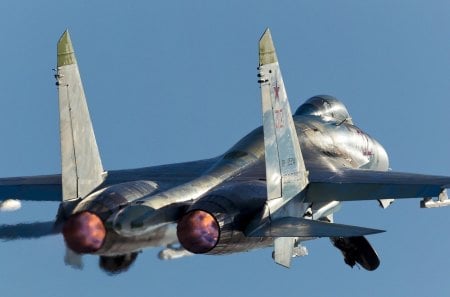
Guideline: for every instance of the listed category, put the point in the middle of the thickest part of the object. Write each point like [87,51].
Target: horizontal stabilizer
[298,227]
[27,230]
[351,185]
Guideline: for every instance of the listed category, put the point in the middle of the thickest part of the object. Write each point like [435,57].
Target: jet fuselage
[327,142]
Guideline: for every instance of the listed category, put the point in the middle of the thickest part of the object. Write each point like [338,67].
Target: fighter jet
[277,187]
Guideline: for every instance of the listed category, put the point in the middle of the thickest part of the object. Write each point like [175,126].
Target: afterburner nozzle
[198,231]
[84,232]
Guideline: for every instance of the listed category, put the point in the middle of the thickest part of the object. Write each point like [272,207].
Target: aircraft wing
[48,187]
[33,188]
[358,184]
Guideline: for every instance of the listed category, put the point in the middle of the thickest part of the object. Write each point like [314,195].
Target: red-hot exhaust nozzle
[84,232]
[198,232]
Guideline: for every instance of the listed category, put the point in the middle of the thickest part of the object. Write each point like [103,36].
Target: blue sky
[176,81]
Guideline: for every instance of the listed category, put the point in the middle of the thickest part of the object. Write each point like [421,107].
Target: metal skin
[232,207]
[325,144]
[279,185]
[143,215]
[250,196]
[82,169]
[285,168]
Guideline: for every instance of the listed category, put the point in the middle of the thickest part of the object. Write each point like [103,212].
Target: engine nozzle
[84,232]
[198,231]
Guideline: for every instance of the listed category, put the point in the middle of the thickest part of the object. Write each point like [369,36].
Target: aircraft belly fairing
[278,186]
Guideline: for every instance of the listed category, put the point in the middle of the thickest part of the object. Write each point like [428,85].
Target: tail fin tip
[66,54]
[267,53]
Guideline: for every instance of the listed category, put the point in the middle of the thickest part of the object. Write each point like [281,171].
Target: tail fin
[82,169]
[286,173]
[285,169]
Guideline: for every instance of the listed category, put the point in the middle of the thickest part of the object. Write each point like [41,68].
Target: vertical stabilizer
[285,169]
[286,174]
[82,169]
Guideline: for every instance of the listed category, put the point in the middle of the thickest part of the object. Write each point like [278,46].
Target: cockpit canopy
[325,106]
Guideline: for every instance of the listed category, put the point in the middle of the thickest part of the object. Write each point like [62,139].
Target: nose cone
[198,232]
[84,232]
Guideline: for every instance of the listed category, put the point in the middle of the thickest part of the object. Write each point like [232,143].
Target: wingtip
[267,54]
[65,52]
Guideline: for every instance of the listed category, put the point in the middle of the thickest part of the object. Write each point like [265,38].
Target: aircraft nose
[198,232]
[84,232]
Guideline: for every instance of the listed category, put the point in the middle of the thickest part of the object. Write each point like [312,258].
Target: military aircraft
[276,187]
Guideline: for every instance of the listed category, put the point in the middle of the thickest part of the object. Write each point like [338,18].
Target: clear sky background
[174,81]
